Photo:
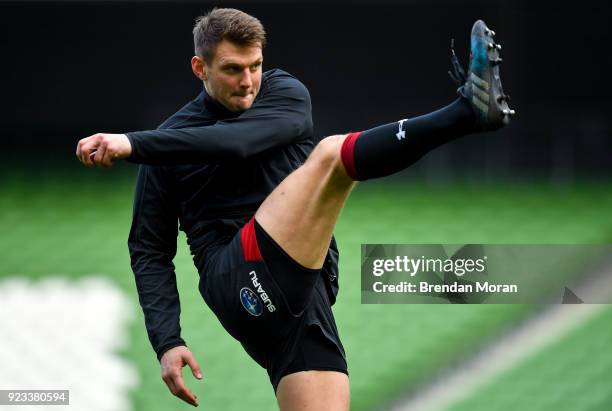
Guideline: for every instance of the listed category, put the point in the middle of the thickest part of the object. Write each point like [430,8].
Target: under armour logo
[401,134]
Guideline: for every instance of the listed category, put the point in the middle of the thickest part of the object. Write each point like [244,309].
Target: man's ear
[199,68]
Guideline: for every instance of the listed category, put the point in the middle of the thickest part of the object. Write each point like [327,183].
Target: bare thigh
[301,212]
[314,391]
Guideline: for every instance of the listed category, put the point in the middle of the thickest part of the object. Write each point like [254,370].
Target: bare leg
[314,391]
[301,213]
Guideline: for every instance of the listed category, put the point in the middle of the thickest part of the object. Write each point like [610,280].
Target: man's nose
[246,81]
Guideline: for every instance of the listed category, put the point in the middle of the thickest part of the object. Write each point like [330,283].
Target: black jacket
[206,170]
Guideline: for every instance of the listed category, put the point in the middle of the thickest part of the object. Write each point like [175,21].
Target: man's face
[233,77]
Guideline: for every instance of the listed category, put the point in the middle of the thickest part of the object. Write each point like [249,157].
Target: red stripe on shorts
[248,239]
[347,154]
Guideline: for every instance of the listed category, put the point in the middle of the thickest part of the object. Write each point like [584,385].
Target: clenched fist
[103,149]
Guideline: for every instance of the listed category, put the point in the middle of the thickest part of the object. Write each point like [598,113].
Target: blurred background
[68,304]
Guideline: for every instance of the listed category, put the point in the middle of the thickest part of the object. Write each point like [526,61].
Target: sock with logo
[390,148]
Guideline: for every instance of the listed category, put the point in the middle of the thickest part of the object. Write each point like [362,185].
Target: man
[236,167]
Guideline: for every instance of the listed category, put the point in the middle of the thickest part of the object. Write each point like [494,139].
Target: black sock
[390,148]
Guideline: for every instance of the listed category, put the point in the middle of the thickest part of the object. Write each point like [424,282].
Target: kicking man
[238,170]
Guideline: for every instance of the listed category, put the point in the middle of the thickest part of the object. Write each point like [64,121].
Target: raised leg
[300,214]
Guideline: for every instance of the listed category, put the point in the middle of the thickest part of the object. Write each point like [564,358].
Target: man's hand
[102,149]
[172,363]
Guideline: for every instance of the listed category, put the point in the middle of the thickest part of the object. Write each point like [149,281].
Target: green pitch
[572,375]
[77,227]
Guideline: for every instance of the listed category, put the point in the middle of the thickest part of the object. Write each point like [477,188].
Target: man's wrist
[161,351]
[131,140]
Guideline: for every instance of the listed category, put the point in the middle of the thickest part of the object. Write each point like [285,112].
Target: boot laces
[456,73]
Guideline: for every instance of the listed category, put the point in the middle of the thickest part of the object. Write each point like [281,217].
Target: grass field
[572,375]
[77,227]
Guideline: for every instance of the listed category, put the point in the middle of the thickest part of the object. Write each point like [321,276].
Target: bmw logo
[250,301]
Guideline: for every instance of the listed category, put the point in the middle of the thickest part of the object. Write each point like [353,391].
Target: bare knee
[327,154]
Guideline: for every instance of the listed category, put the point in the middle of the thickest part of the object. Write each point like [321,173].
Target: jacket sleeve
[152,245]
[282,115]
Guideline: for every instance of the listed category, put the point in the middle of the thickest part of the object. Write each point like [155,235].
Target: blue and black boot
[482,85]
